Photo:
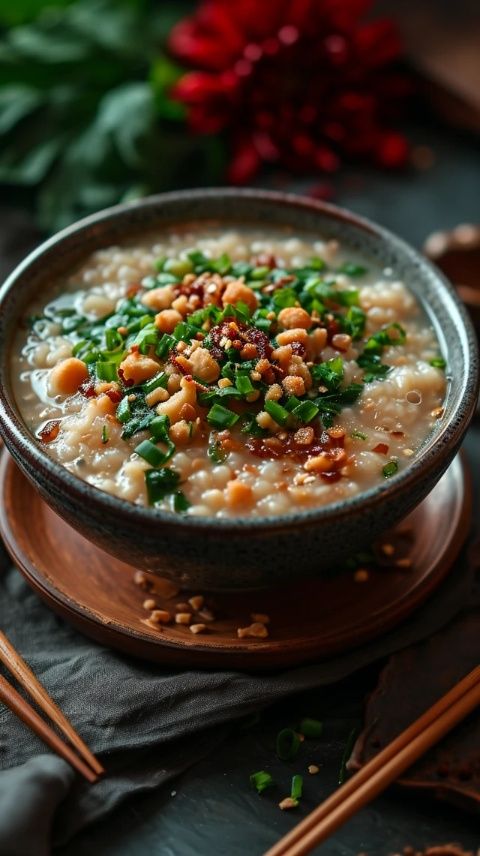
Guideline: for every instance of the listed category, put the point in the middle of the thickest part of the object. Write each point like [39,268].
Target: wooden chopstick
[25,677]
[30,717]
[383,769]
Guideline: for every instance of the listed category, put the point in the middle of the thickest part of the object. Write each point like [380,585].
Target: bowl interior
[295,215]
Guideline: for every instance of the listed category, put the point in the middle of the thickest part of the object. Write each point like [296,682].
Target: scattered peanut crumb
[197,628]
[149,603]
[160,616]
[196,602]
[387,549]
[153,624]
[141,579]
[438,412]
[260,617]
[182,607]
[408,452]
[313,769]
[165,588]
[361,575]
[403,563]
[288,803]
[183,618]
[206,615]
[256,630]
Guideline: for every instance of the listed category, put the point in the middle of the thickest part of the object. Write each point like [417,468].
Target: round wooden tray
[308,619]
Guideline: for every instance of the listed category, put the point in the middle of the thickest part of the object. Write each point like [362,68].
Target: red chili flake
[265,260]
[275,447]
[133,290]
[381,448]
[49,432]
[87,388]
[114,395]
[129,382]
[397,433]
[298,348]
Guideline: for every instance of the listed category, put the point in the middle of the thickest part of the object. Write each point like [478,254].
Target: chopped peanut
[180,304]
[188,413]
[174,381]
[283,355]
[238,494]
[255,630]
[183,618]
[156,396]
[187,394]
[167,320]
[238,292]
[294,317]
[249,351]
[204,366]
[294,385]
[299,368]
[317,341]
[288,803]
[137,367]
[262,366]
[67,376]
[297,334]
[266,422]
[304,436]
[158,298]
[319,464]
[160,616]
[341,341]
[196,602]
[197,628]
[180,432]
[313,769]
[224,382]
[149,604]
[274,392]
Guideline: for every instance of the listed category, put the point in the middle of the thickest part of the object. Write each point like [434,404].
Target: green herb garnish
[104,434]
[160,483]
[297,788]
[390,469]
[438,363]
[261,781]
[311,728]
[221,417]
[288,744]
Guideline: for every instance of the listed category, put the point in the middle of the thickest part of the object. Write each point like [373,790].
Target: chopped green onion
[165,345]
[106,371]
[124,412]
[358,435]
[352,269]
[184,332]
[180,502]
[147,336]
[261,781]
[311,727]
[159,427]
[221,417]
[390,469]
[277,412]
[288,744]
[438,363]
[259,272]
[251,426]
[159,263]
[160,483]
[160,379]
[354,322]
[151,453]
[292,403]
[178,267]
[104,434]
[113,339]
[306,411]
[244,384]
[316,263]
[297,787]
[329,373]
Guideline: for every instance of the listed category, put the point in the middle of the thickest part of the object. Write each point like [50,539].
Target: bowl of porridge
[232,388]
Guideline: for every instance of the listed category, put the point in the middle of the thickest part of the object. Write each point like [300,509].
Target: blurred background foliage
[85,118]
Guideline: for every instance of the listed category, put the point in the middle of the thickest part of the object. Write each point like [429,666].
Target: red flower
[300,83]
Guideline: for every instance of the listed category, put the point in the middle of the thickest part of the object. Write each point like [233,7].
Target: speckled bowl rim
[450,433]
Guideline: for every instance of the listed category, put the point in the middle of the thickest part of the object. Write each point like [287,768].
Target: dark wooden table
[210,810]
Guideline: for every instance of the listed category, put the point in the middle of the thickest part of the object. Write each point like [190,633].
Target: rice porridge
[229,373]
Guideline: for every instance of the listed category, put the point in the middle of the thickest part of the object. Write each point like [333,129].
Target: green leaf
[127,114]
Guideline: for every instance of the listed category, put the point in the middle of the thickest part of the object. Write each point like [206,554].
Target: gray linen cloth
[146,723]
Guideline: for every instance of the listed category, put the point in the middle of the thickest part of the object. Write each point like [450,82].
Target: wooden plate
[308,619]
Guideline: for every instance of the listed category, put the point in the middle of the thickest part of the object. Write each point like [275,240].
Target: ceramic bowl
[240,553]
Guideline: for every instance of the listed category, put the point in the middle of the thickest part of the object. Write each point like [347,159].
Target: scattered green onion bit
[277,412]
[306,411]
[390,469]
[297,787]
[358,435]
[160,379]
[151,453]
[180,502]
[438,363]
[124,412]
[216,452]
[221,417]
[261,781]
[311,728]
[104,434]
[160,483]
[288,744]
[244,384]
[106,371]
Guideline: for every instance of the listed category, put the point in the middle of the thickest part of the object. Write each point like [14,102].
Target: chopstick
[28,715]
[24,675]
[383,769]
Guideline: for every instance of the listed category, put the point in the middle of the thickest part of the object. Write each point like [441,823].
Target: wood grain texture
[309,620]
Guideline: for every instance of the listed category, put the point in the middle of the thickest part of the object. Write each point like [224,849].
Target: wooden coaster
[308,619]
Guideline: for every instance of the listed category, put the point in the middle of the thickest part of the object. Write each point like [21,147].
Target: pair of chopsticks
[85,762]
[383,769]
